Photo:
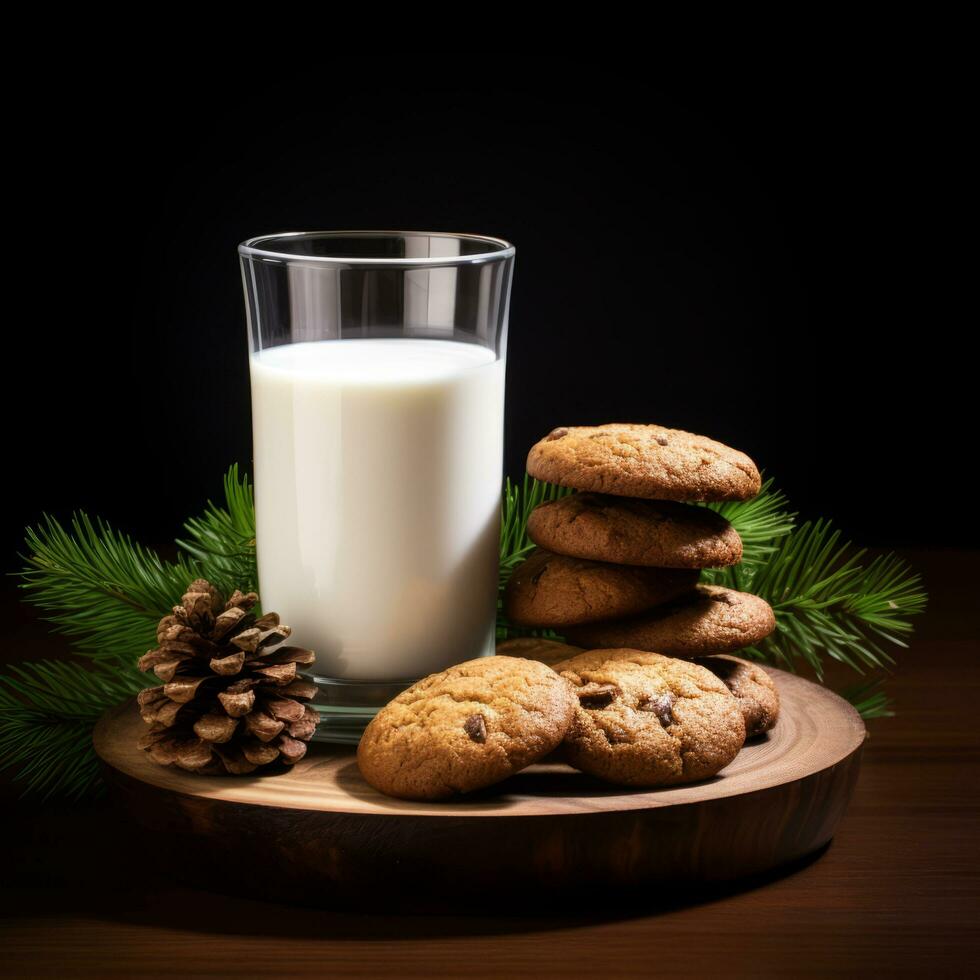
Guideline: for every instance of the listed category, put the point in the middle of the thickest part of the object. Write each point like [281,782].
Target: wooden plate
[319,829]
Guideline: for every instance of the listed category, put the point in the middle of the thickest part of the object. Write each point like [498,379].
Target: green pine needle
[517,502]
[101,588]
[47,711]
[108,593]
[761,522]
[869,700]
[829,604]
[222,540]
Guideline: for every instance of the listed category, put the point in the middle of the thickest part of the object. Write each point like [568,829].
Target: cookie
[548,652]
[554,590]
[466,727]
[627,531]
[648,720]
[710,620]
[753,689]
[643,461]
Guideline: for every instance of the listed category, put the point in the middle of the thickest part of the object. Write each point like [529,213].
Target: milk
[377,500]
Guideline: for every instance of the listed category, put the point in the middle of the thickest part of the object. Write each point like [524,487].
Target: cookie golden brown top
[660,533]
[466,727]
[712,620]
[554,590]
[629,460]
[648,720]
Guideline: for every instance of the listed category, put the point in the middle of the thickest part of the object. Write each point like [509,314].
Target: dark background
[761,257]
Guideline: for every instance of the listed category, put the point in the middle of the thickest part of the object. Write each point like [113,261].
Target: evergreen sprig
[517,502]
[99,587]
[869,699]
[222,539]
[828,603]
[761,524]
[107,593]
[48,709]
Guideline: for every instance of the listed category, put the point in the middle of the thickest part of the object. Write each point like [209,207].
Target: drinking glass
[377,363]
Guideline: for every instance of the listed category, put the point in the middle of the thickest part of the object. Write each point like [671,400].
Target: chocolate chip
[661,441]
[661,706]
[476,728]
[615,736]
[556,434]
[597,695]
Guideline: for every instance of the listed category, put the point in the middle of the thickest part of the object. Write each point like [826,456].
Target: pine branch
[517,502]
[108,593]
[222,540]
[101,588]
[762,523]
[828,603]
[886,592]
[869,700]
[516,505]
[47,711]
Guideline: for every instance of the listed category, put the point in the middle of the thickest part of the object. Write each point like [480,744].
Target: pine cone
[229,702]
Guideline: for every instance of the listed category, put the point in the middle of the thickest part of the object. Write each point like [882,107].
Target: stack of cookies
[650,696]
[618,563]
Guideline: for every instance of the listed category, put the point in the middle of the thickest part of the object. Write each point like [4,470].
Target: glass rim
[500,249]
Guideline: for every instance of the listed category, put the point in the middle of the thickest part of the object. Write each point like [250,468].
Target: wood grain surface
[897,892]
[547,831]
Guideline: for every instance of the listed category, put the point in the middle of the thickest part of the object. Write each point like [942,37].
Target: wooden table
[898,890]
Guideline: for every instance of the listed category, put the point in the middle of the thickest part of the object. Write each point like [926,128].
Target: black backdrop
[752,258]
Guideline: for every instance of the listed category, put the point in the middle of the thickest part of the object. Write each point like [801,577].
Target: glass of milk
[377,365]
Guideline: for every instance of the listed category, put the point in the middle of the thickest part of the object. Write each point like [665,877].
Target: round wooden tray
[319,829]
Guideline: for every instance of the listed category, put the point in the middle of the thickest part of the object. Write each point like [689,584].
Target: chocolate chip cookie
[710,620]
[753,689]
[548,652]
[555,590]
[650,461]
[647,720]
[628,531]
[466,727]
